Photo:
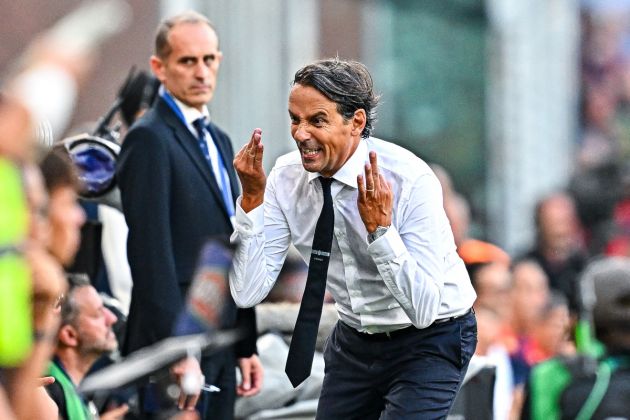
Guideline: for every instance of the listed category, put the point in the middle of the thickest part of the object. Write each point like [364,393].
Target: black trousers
[413,375]
[219,370]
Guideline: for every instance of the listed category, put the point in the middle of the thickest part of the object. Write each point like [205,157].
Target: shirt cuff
[387,247]
[249,224]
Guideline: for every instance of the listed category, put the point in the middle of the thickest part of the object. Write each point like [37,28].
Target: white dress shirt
[410,275]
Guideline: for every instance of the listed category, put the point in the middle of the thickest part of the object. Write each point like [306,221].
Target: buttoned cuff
[249,224]
[387,247]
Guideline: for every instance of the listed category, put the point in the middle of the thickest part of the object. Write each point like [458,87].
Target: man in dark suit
[178,188]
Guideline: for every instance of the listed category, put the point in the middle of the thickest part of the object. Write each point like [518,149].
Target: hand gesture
[252,376]
[248,166]
[375,200]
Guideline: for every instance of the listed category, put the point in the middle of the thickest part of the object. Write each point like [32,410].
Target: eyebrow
[310,117]
[187,57]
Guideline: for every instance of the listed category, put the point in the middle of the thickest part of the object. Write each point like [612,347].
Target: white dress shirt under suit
[410,275]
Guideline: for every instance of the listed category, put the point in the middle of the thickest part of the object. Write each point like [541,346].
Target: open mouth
[309,153]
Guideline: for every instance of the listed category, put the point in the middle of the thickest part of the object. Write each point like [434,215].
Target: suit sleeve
[246,322]
[144,174]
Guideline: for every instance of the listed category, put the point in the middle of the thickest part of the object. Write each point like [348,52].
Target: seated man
[84,336]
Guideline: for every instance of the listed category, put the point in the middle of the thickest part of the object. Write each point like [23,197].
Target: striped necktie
[223,180]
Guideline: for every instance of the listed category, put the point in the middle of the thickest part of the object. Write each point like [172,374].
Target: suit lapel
[188,142]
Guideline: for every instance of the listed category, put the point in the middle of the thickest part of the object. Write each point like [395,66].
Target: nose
[201,70]
[300,132]
[110,317]
[79,215]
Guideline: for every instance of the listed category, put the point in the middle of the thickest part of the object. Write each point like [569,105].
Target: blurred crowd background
[522,107]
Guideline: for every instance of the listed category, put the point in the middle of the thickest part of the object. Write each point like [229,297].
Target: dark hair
[347,83]
[162,47]
[58,170]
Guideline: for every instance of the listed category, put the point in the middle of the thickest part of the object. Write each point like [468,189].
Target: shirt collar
[190,114]
[354,166]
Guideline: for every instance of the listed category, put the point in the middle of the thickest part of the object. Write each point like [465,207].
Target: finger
[257,379]
[44,381]
[375,173]
[369,181]
[259,156]
[361,186]
[249,393]
[384,184]
[186,401]
[253,388]
[192,402]
[241,154]
[254,146]
[247,148]
[246,373]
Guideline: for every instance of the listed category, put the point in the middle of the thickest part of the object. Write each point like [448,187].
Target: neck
[75,364]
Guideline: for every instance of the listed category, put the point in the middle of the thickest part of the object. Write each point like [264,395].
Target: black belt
[391,335]
[443,320]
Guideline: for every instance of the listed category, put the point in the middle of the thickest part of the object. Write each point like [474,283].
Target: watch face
[380,231]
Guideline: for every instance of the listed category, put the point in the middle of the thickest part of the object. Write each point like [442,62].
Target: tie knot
[200,124]
[326,182]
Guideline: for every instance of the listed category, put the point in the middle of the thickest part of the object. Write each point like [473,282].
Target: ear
[68,336]
[157,66]
[359,119]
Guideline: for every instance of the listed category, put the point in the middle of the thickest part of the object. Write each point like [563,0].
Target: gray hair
[347,83]
[162,47]
[69,307]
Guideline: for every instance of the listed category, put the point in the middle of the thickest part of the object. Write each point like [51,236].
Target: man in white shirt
[406,331]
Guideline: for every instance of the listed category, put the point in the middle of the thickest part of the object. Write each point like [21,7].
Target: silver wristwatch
[378,232]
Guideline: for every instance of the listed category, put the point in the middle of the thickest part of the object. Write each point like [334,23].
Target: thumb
[246,374]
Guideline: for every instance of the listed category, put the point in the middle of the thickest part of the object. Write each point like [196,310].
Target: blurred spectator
[493,283]
[550,332]
[489,345]
[64,213]
[597,191]
[473,252]
[47,284]
[582,387]
[84,336]
[559,248]
[35,103]
[529,294]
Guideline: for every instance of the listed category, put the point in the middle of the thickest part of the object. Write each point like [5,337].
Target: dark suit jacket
[172,204]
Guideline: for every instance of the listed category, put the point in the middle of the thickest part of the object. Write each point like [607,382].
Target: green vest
[77,410]
[551,378]
[15,276]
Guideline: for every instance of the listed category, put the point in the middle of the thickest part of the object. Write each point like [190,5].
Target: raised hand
[375,200]
[248,166]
